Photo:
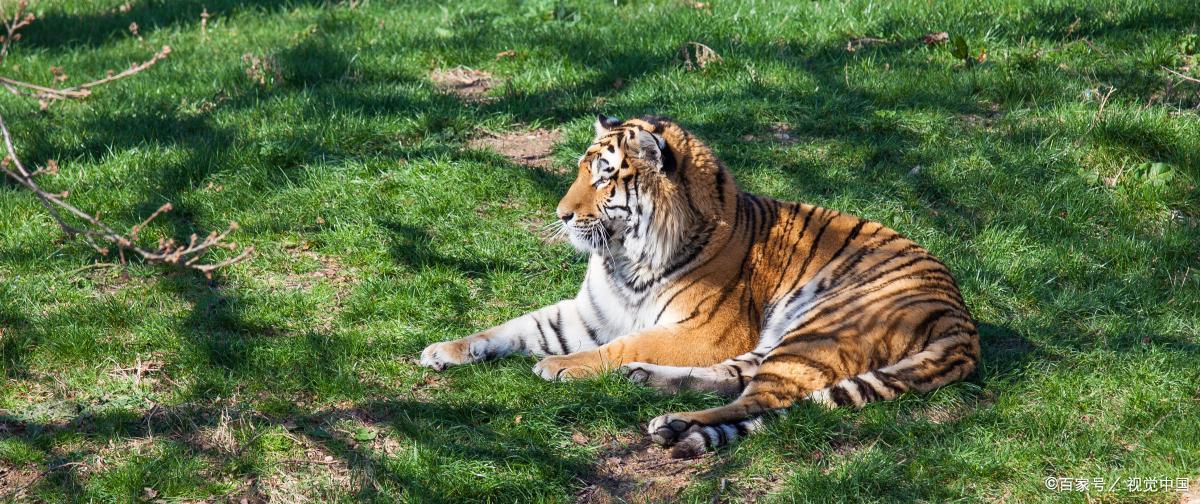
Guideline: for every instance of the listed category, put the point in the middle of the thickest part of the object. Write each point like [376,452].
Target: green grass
[378,231]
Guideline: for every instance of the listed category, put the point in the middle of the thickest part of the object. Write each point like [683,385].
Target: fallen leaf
[505,54]
[959,49]
[363,434]
[579,438]
[697,56]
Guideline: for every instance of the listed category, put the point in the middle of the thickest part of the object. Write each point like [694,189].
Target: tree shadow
[464,434]
[18,340]
[226,340]
[57,30]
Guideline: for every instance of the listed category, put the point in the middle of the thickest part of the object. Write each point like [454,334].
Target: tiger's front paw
[439,356]
[564,367]
[653,375]
[637,372]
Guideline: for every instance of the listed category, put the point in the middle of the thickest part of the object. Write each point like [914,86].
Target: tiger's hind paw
[679,432]
[691,446]
[665,430]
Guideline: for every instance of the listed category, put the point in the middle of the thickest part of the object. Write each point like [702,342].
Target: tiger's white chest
[621,310]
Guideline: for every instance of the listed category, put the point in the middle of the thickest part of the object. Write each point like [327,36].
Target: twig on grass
[184,254]
[859,42]
[1096,48]
[316,462]
[1182,76]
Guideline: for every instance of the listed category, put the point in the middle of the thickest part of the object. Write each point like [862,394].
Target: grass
[292,375]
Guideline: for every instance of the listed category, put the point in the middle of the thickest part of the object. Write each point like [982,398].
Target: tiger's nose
[566,216]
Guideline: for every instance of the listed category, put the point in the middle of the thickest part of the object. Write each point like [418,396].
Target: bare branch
[167,252]
[94,231]
[83,90]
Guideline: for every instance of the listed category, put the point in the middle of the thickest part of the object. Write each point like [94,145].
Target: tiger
[693,284]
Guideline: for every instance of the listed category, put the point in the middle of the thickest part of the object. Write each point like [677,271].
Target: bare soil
[635,470]
[529,148]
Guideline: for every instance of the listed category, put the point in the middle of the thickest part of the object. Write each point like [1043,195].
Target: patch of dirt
[262,69]
[1192,496]
[330,269]
[938,415]
[985,120]
[840,451]
[529,148]
[15,481]
[635,470]
[470,85]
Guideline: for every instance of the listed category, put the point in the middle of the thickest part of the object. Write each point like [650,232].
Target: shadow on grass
[17,342]
[95,29]
[207,431]
[224,340]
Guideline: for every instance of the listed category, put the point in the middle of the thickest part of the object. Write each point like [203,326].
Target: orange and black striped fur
[692,283]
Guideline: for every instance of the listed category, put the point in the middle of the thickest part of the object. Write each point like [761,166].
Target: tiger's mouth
[591,236]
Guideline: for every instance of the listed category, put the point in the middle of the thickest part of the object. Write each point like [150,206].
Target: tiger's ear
[650,148]
[605,123]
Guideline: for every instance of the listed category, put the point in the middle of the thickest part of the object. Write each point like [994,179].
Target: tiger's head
[640,189]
